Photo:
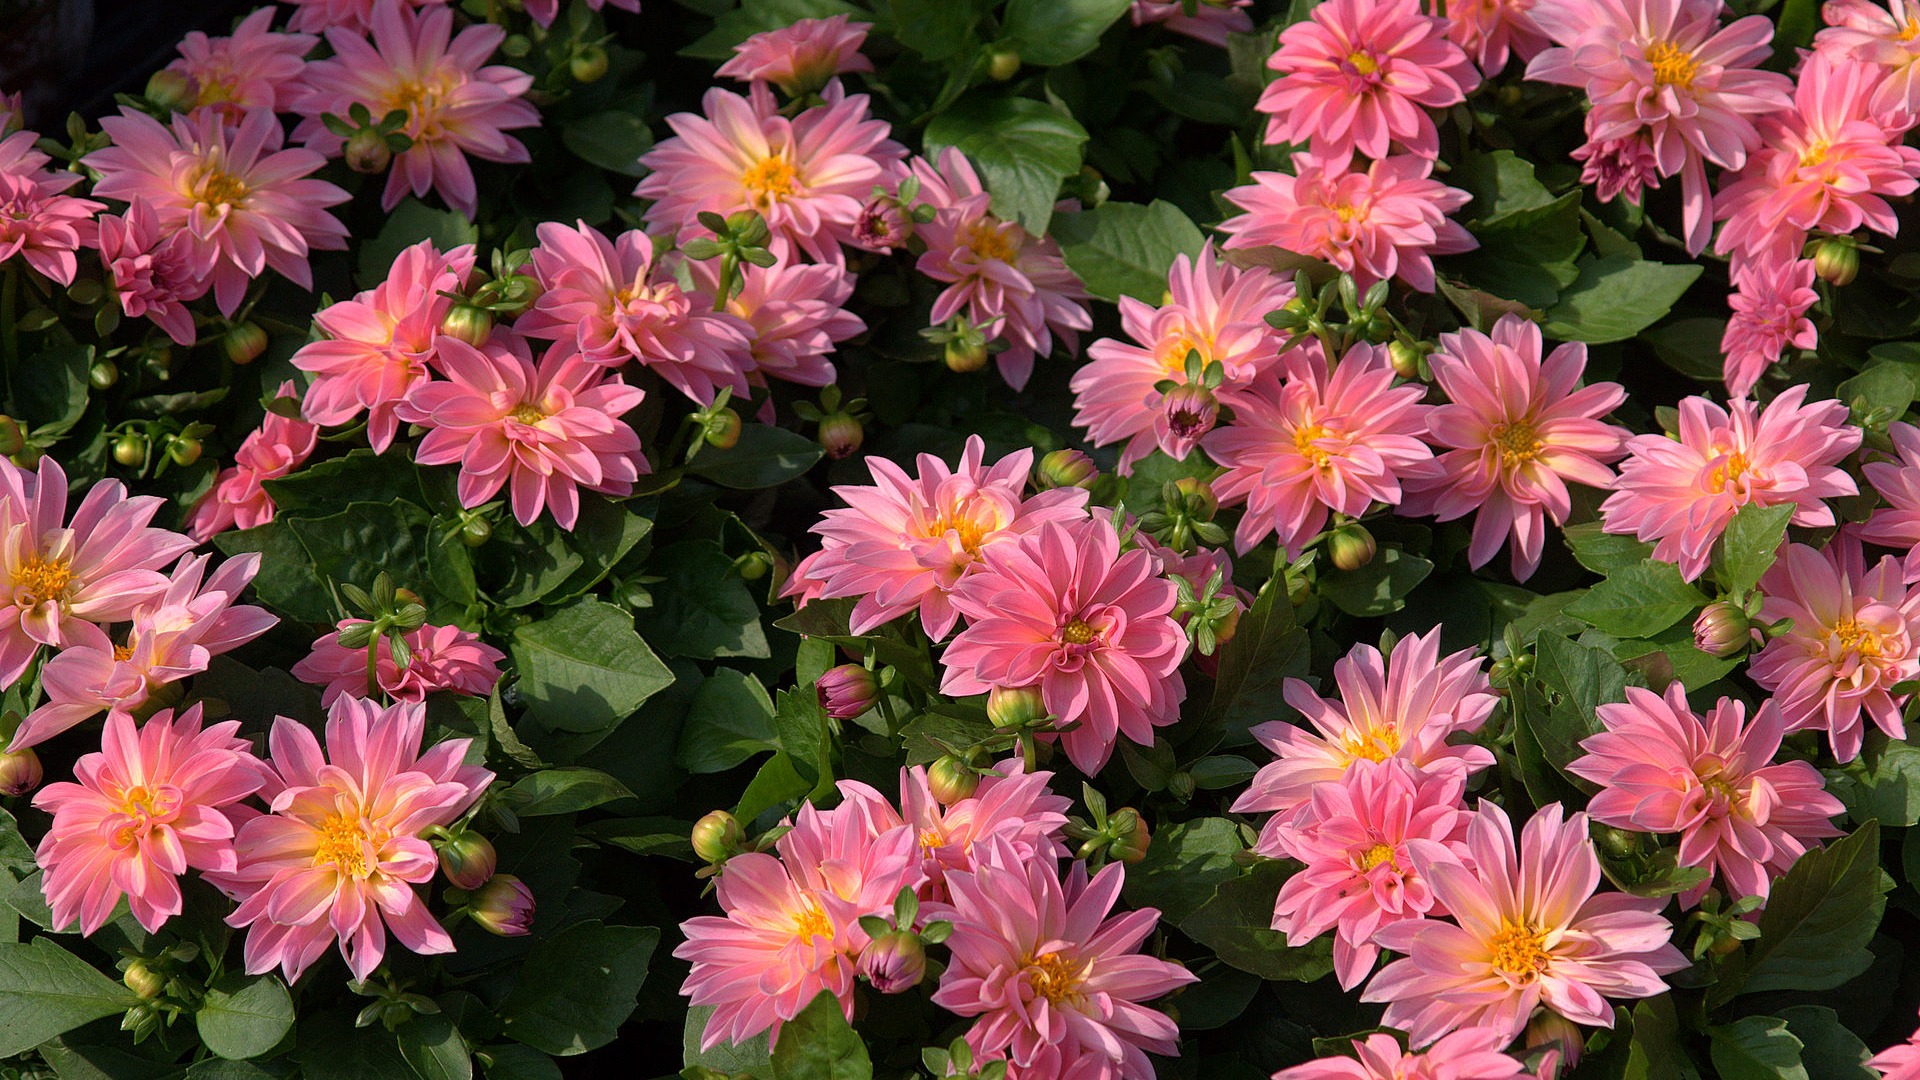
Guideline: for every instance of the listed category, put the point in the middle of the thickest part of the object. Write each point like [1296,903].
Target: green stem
[728,267]
[9,318]
[373,668]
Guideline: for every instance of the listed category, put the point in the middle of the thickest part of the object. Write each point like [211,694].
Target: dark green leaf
[702,608]
[613,140]
[956,729]
[244,1016]
[1184,864]
[47,991]
[1022,148]
[1379,588]
[576,988]
[563,790]
[50,391]
[1267,648]
[802,727]
[819,1045]
[1050,32]
[1819,917]
[753,1057]
[1638,601]
[409,223]
[730,720]
[1605,552]
[433,1046]
[1616,297]
[1756,1048]
[1237,924]
[1125,249]
[936,29]
[1746,550]
[330,1047]
[1584,678]
[511,1061]
[1828,1049]
[583,668]
[766,456]
[1527,254]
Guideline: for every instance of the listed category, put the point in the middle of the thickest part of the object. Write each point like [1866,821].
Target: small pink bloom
[141,812]
[1361,75]
[801,57]
[1064,610]
[338,857]
[1489,31]
[255,68]
[1468,1054]
[1403,707]
[1385,222]
[1900,1062]
[1531,934]
[1853,639]
[1682,493]
[1770,301]
[1010,805]
[41,225]
[1886,35]
[440,658]
[1624,166]
[793,316]
[1213,309]
[543,430]
[280,445]
[1516,430]
[1056,983]
[807,176]
[318,16]
[545,11]
[1317,441]
[1897,524]
[457,105]
[152,277]
[1211,21]
[903,544]
[239,204]
[1665,769]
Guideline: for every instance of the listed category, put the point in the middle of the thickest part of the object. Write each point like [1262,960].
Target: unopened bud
[951,780]
[129,450]
[846,691]
[723,430]
[1351,546]
[1722,630]
[184,452]
[503,906]
[1192,410]
[1004,64]
[1015,706]
[12,439]
[468,860]
[894,962]
[1559,1036]
[883,225]
[473,325]
[1615,842]
[244,342]
[1130,836]
[20,772]
[717,837]
[1837,260]
[366,151]
[1405,358]
[965,357]
[170,90]
[143,980]
[589,65]
[841,434]
[1201,502]
[1065,468]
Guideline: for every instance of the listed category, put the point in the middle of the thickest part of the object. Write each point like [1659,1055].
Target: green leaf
[1605,552]
[409,223]
[1756,1048]
[730,720]
[1502,184]
[766,456]
[1184,864]
[757,16]
[244,1016]
[583,668]
[511,1061]
[1379,588]
[1527,254]
[1746,550]
[919,734]
[359,476]
[576,988]
[1657,1052]
[937,29]
[1237,924]
[1266,649]
[819,1045]
[1884,786]
[1050,32]
[1638,601]
[565,790]
[753,1057]
[1819,917]
[1126,249]
[1585,678]
[1828,1049]
[433,1046]
[330,1047]
[1881,393]
[50,391]
[48,991]
[802,727]
[367,538]
[702,608]
[613,140]
[1616,297]
[776,786]
[1022,148]
[286,581]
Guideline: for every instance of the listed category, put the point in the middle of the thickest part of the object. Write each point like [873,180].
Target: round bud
[1722,630]
[468,859]
[475,531]
[1837,260]
[130,450]
[1299,589]
[170,90]
[473,325]
[846,691]
[143,980]
[503,906]
[103,375]
[517,46]
[20,772]
[841,434]
[1065,468]
[1130,835]
[753,566]
[717,837]
[588,65]
[244,342]
[1227,625]
[723,430]
[1004,64]
[12,439]
[1557,1035]
[1199,497]
[1015,706]
[1351,546]
[1406,359]
[964,358]
[1724,944]
[951,780]
[183,452]
[894,962]
[366,151]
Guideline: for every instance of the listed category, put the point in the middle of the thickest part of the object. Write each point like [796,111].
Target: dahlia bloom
[1853,639]
[1897,524]
[1057,984]
[237,203]
[1625,166]
[1062,609]
[1667,72]
[903,544]
[792,314]
[1682,493]
[153,277]
[792,922]
[440,658]
[1885,35]
[1213,309]
[1403,707]
[1491,31]
[140,812]
[318,16]
[807,176]
[1361,75]
[457,105]
[545,11]
[1531,934]
[1770,302]
[608,300]
[1664,769]
[171,637]
[383,342]
[1317,441]
[1516,430]
[997,274]
[1468,1054]
[280,445]
[98,568]
[43,226]
[1829,164]
[801,57]
[1900,1062]
[1010,805]
[1211,21]
[1386,222]
[339,856]
[254,68]
[543,431]
[1354,835]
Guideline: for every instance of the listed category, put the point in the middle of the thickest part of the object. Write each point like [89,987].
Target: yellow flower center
[1815,154]
[811,922]
[1077,632]
[1362,63]
[1908,31]
[219,189]
[1174,350]
[1518,443]
[989,241]
[1732,471]
[343,846]
[1055,977]
[770,179]
[217,91]
[528,414]
[1853,637]
[1374,744]
[932,840]
[1518,951]
[123,653]
[421,101]
[1375,855]
[1346,212]
[1672,65]
[44,579]
[1303,442]
[137,801]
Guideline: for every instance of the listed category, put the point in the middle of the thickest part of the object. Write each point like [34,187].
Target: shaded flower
[793,315]
[42,226]
[545,11]
[254,68]
[1206,20]
[799,58]
[1009,805]
[278,446]
[1490,31]
[316,16]
[1770,301]
[1468,1054]
[1897,524]
[152,276]
[438,658]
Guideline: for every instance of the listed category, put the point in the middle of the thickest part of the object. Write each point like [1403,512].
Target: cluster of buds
[966,347]
[503,293]
[370,144]
[717,425]
[1730,626]
[392,1005]
[1185,516]
[499,903]
[1210,616]
[390,612]
[1192,408]
[1724,926]
[1121,834]
[894,959]
[737,238]
[159,982]
[156,444]
[1310,314]
[842,422]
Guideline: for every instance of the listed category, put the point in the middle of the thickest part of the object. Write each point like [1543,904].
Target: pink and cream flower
[1897,524]
[801,57]
[254,68]
[39,224]
[152,276]
[438,658]
[795,317]
[1885,35]
[278,446]
[1770,302]
[1010,804]
[319,16]
[1210,20]
[1493,31]
[1467,1054]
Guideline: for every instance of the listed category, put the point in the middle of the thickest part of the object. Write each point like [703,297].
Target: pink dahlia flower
[1006,281]
[1492,31]
[254,68]
[1682,493]
[545,11]
[1386,222]
[141,812]
[457,105]
[807,176]
[1361,75]
[1900,1062]
[1664,769]
[1770,302]
[280,445]
[792,922]
[338,858]
[609,300]
[1010,805]
[543,431]
[903,544]
[1213,309]
[239,204]
[1885,35]
[1354,835]
[792,314]
[97,568]
[1064,610]
[170,638]
[1211,20]
[152,276]
[1897,524]
[1317,441]
[1667,72]
[1516,431]
[801,57]
[1400,707]
[1467,1054]
[319,16]
[1531,934]
[1853,640]
[42,226]
[1057,985]
[439,658]
[383,342]
[1617,167]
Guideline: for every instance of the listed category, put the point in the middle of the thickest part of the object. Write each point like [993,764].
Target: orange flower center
[1304,438]
[1055,977]
[1908,32]
[932,840]
[810,922]
[343,846]
[219,189]
[1518,951]
[1077,632]
[1672,65]
[1362,63]
[989,240]
[971,521]
[123,653]
[1518,443]
[1375,855]
[44,579]
[1729,473]
[1855,638]
[770,180]
[1374,744]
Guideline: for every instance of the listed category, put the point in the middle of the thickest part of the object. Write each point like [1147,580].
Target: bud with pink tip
[503,906]
[846,691]
[1064,469]
[883,225]
[1192,411]
[20,772]
[468,860]
[1722,630]
[894,962]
